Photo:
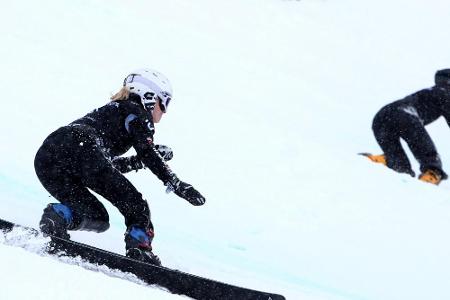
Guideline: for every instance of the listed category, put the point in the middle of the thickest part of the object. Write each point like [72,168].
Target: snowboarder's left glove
[185,191]
[165,151]
[130,163]
[127,164]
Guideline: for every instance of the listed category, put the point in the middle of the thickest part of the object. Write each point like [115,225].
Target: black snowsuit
[80,156]
[406,119]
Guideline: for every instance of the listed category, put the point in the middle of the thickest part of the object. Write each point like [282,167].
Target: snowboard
[175,281]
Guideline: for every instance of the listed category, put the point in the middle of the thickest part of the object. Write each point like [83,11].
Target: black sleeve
[141,130]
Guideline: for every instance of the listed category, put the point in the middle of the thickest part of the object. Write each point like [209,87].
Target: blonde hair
[123,94]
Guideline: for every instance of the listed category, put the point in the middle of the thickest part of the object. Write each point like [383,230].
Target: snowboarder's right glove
[185,191]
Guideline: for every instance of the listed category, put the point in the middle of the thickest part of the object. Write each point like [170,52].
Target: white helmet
[150,85]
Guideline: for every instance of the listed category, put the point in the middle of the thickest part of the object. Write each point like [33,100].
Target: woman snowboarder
[86,155]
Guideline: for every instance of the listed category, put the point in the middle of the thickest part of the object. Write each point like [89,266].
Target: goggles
[164,100]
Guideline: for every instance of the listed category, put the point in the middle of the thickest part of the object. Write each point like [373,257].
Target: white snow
[272,101]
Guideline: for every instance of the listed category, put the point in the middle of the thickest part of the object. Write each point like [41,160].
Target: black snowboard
[175,281]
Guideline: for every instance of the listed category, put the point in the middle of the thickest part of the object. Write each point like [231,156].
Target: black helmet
[442,77]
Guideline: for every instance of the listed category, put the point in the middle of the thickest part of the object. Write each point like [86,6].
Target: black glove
[127,164]
[130,163]
[185,191]
[165,152]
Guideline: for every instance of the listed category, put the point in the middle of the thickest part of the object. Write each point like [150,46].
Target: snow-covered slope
[273,99]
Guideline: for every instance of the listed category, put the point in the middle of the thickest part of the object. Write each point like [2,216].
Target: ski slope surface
[272,101]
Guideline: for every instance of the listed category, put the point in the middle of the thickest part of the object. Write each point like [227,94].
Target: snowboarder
[406,119]
[86,155]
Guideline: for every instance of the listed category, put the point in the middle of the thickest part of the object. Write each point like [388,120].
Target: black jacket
[120,125]
[427,104]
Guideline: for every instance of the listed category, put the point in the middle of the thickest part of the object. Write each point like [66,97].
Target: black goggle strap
[149,101]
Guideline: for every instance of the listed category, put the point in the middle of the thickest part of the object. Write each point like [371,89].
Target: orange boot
[431,176]
[381,159]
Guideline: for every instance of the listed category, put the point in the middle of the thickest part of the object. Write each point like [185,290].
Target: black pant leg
[419,141]
[117,189]
[387,135]
[60,179]
[99,175]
